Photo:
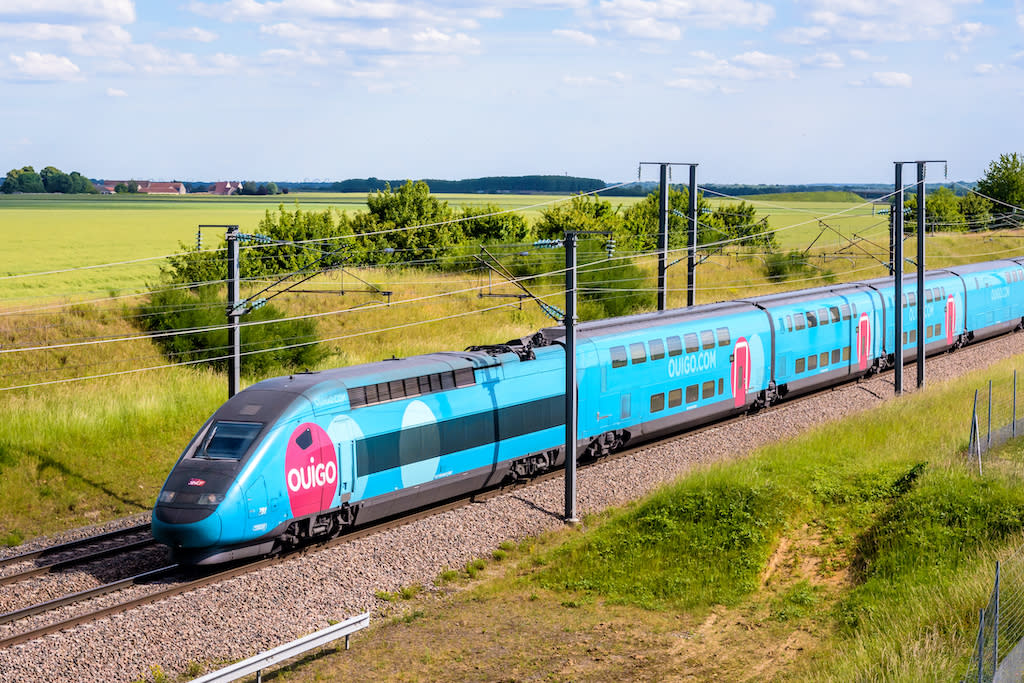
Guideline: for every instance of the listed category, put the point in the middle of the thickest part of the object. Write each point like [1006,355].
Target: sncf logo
[310,470]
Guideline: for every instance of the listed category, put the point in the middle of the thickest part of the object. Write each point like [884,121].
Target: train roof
[629,323]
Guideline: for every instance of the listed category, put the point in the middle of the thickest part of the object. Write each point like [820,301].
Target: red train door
[740,372]
[950,319]
[863,341]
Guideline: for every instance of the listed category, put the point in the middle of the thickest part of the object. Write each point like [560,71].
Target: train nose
[186,527]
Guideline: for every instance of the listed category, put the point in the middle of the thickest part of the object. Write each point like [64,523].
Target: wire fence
[995,418]
[998,654]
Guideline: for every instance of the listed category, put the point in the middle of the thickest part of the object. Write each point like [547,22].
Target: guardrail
[287,651]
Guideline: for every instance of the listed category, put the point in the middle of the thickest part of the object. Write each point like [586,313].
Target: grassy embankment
[60,467]
[859,551]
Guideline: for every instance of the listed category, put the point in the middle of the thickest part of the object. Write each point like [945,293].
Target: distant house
[226,187]
[145,187]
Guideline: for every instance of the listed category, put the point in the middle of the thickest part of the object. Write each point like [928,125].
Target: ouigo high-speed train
[305,456]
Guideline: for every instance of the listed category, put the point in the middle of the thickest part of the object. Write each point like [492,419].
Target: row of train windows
[1015,276]
[822,359]
[930,295]
[638,350]
[410,386]
[823,316]
[694,392]
[910,336]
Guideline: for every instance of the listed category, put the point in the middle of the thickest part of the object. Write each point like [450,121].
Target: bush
[201,307]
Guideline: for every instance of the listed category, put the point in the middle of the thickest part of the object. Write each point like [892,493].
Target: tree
[22,180]
[406,224]
[582,212]
[55,180]
[491,223]
[941,208]
[1004,182]
[272,188]
[976,210]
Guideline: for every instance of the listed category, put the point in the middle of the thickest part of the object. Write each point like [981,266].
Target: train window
[913,299]
[465,377]
[789,323]
[692,393]
[913,336]
[371,394]
[833,311]
[782,324]
[675,398]
[657,402]
[846,353]
[835,356]
[657,349]
[624,407]
[230,440]
[723,336]
[619,359]
[692,344]
[383,392]
[845,310]
[904,301]
[800,364]
[412,386]
[707,390]
[721,386]
[396,388]
[447,381]
[435,382]
[638,351]
[812,319]
[823,359]
[853,309]
[812,362]
[357,397]
[675,346]
[905,338]
[822,316]
[707,339]
[798,320]
[424,382]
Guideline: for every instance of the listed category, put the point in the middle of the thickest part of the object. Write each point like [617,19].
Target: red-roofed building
[145,187]
[226,187]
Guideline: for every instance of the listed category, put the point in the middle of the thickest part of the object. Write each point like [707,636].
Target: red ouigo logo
[311,469]
[197,482]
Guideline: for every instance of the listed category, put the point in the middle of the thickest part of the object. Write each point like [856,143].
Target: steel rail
[71,562]
[72,545]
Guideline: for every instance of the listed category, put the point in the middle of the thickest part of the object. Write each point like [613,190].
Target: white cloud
[650,28]
[717,14]
[282,57]
[986,69]
[806,35]
[116,92]
[39,67]
[194,33]
[825,60]
[114,11]
[613,79]
[432,40]
[251,10]
[576,36]
[862,56]
[891,79]
[874,21]
[37,31]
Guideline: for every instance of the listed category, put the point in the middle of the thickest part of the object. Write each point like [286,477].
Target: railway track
[168,581]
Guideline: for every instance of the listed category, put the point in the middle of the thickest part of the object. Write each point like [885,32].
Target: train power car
[306,456]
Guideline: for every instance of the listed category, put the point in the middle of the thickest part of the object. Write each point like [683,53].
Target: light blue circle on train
[344,432]
[419,444]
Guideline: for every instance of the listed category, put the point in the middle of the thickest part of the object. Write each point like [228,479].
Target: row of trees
[50,179]
[1003,182]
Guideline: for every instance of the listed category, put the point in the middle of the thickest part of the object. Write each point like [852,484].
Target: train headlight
[165,497]
[211,498]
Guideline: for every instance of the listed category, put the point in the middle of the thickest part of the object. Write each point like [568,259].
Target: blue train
[305,456]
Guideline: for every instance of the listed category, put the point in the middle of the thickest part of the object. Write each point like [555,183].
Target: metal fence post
[988,438]
[981,646]
[1013,429]
[995,625]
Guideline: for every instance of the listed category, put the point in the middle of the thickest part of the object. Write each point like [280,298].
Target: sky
[753,91]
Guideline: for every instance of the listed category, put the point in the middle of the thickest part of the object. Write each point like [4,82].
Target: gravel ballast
[266,608]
